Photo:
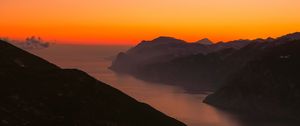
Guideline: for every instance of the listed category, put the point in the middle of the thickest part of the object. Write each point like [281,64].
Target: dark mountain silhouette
[164,49]
[205,41]
[268,85]
[166,40]
[205,68]
[34,92]
[290,37]
[191,65]
[160,49]
[236,44]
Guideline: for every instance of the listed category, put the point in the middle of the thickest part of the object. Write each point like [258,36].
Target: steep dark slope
[268,85]
[34,92]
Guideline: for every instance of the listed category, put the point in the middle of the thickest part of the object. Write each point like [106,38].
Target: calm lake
[170,100]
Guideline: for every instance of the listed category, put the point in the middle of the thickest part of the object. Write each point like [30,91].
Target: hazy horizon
[133,44]
[130,21]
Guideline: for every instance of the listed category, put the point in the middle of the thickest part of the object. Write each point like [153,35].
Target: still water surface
[170,100]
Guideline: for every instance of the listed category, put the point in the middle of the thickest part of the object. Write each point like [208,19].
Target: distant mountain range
[193,66]
[34,92]
[259,77]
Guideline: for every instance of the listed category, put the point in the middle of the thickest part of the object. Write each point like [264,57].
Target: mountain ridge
[188,65]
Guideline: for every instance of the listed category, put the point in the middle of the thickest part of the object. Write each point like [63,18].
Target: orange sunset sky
[130,21]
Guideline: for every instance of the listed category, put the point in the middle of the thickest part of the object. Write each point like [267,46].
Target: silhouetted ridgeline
[268,85]
[34,92]
[166,60]
[193,66]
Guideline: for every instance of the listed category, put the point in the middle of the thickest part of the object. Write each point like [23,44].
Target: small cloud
[32,42]
[35,43]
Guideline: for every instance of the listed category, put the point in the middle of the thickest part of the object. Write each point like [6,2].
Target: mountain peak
[205,41]
[163,38]
[166,39]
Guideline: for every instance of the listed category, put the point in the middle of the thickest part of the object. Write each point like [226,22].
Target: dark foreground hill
[34,92]
[269,85]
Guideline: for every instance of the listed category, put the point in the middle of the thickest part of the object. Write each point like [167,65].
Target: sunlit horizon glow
[130,21]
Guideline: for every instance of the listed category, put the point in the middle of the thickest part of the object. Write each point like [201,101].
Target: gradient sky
[130,21]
